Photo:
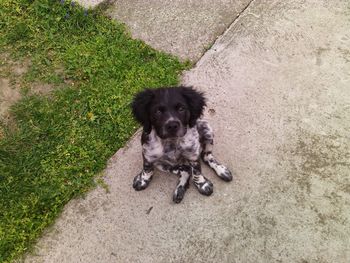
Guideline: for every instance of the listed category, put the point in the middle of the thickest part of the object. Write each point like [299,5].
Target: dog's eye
[160,110]
[181,109]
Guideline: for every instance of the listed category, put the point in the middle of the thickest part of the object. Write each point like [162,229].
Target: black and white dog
[174,138]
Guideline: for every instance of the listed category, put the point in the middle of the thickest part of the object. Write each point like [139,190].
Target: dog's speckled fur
[174,138]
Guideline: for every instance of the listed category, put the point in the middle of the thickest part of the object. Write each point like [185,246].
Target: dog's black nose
[172,126]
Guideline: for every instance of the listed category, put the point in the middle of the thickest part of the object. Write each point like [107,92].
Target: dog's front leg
[184,171]
[142,180]
[204,185]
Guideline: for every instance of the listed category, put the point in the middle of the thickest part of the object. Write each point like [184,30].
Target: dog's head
[168,110]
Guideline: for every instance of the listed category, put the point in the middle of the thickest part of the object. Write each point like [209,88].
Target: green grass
[63,140]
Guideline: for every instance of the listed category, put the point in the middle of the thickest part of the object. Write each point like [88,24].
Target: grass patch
[63,140]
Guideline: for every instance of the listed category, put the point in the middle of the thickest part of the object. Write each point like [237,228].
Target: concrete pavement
[279,101]
[185,28]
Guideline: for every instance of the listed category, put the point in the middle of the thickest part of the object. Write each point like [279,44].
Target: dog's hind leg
[209,159]
[219,169]
[207,142]
[204,185]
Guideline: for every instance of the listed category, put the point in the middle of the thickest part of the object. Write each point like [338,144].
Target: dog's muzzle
[173,128]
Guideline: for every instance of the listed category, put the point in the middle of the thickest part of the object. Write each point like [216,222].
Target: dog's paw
[206,187]
[225,174]
[179,194]
[140,183]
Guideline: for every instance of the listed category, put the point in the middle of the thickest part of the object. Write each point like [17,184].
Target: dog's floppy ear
[196,103]
[140,106]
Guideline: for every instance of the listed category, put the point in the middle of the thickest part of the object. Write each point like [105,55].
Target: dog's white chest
[172,150]
[153,149]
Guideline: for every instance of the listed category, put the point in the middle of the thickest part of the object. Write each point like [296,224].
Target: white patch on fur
[146,176]
[171,119]
[205,185]
[184,178]
[190,144]
[159,151]
[218,168]
[198,179]
[153,149]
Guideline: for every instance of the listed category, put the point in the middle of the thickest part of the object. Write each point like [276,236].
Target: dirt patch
[8,96]
[39,88]
[11,73]
[12,85]
[20,68]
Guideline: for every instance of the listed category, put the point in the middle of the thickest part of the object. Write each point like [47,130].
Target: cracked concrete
[279,100]
[185,28]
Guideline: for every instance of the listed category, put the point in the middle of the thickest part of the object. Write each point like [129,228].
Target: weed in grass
[63,140]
